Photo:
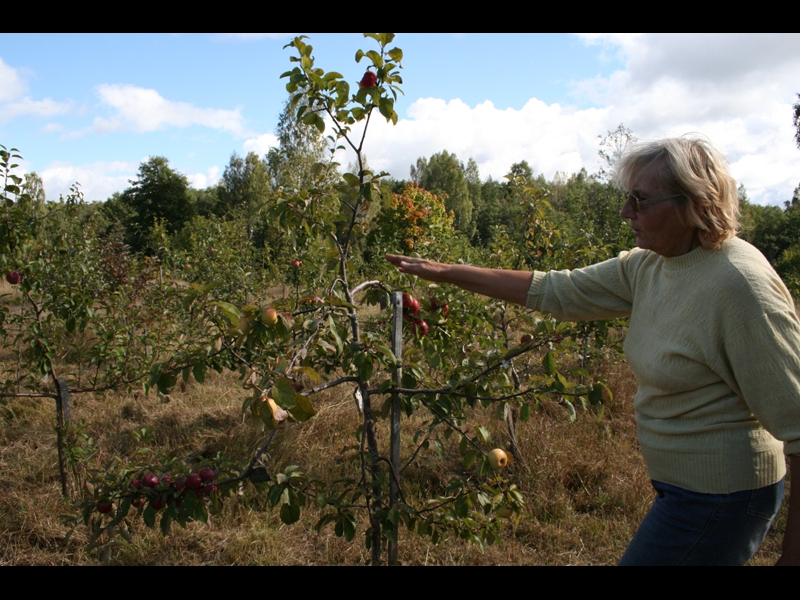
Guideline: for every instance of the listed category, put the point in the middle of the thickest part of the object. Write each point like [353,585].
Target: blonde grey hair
[690,166]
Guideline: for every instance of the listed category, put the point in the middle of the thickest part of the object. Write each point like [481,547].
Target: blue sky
[90,108]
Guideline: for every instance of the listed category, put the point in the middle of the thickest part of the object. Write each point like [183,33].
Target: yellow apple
[498,459]
[269,316]
[245,325]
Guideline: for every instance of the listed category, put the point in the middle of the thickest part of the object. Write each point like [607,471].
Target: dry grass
[585,483]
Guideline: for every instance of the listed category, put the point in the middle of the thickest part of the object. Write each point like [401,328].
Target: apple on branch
[269,316]
[498,459]
[369,80]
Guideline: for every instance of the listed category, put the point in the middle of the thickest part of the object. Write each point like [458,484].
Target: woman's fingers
[413,266]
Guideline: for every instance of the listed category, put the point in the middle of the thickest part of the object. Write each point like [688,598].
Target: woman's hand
[495,283]
[426,269]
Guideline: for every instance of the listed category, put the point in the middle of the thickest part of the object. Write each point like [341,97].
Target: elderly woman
[714,342]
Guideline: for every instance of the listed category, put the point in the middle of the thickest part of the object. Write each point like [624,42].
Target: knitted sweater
[714,343]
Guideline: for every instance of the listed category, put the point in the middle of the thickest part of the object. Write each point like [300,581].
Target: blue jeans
[689,528]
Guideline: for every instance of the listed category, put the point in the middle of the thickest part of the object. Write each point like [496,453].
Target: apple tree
[443,368]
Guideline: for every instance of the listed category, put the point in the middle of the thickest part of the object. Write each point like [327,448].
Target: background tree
[301,145]
[33,186]
[158,194]
[444,174]
[612,147]
[244,189]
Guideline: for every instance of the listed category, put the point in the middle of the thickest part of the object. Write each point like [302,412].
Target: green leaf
[303,409]
[469,458]
[365,370]
[283,393]
[149,516]
[336,301]
[351,180]
[310,373]
[274,495]
[349,528]
[483,434]
[166,520]
[549,363]
[199,372]
[290,513]
[375,57]
[596,394]
[395,54]
[166,382]
[230,311]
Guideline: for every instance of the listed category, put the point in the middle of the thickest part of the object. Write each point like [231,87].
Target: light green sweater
[714,343]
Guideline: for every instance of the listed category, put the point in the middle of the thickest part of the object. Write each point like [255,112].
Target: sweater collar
[684,261]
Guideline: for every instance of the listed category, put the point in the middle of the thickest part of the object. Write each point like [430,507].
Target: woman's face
[658,227]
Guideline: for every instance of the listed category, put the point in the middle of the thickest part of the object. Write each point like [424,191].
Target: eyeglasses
[636,203]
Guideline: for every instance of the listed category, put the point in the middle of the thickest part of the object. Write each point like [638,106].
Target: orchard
[434,390]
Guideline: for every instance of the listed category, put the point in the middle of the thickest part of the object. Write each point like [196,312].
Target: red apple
[150,480]
[526,338]
[369,80]
[207,474]
[104,507]
[13,277]
[445,310]
[137,502]
[420,327]
[193,481]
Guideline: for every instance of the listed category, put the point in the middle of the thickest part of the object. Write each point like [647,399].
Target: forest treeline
[575,212]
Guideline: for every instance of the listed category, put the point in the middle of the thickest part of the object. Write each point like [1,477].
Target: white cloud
[144,110]
[550,137]
[97,180]
[37,108]
[11,84]
[736,90]
[201,181]
[14,102]
[261,144]
[52,128]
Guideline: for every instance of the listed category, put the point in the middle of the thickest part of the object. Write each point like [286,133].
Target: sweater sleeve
[600,291]
[764,358]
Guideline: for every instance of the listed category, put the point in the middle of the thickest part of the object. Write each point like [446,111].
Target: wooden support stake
[63,418]
[394,448]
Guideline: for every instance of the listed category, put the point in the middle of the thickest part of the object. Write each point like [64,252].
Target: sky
[90,108]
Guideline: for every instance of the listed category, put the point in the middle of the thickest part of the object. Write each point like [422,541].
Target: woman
[713,340]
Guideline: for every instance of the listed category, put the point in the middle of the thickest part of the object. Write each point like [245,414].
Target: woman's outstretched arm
[512,286]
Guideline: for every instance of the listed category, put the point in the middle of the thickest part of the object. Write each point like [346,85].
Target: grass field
[585,483]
